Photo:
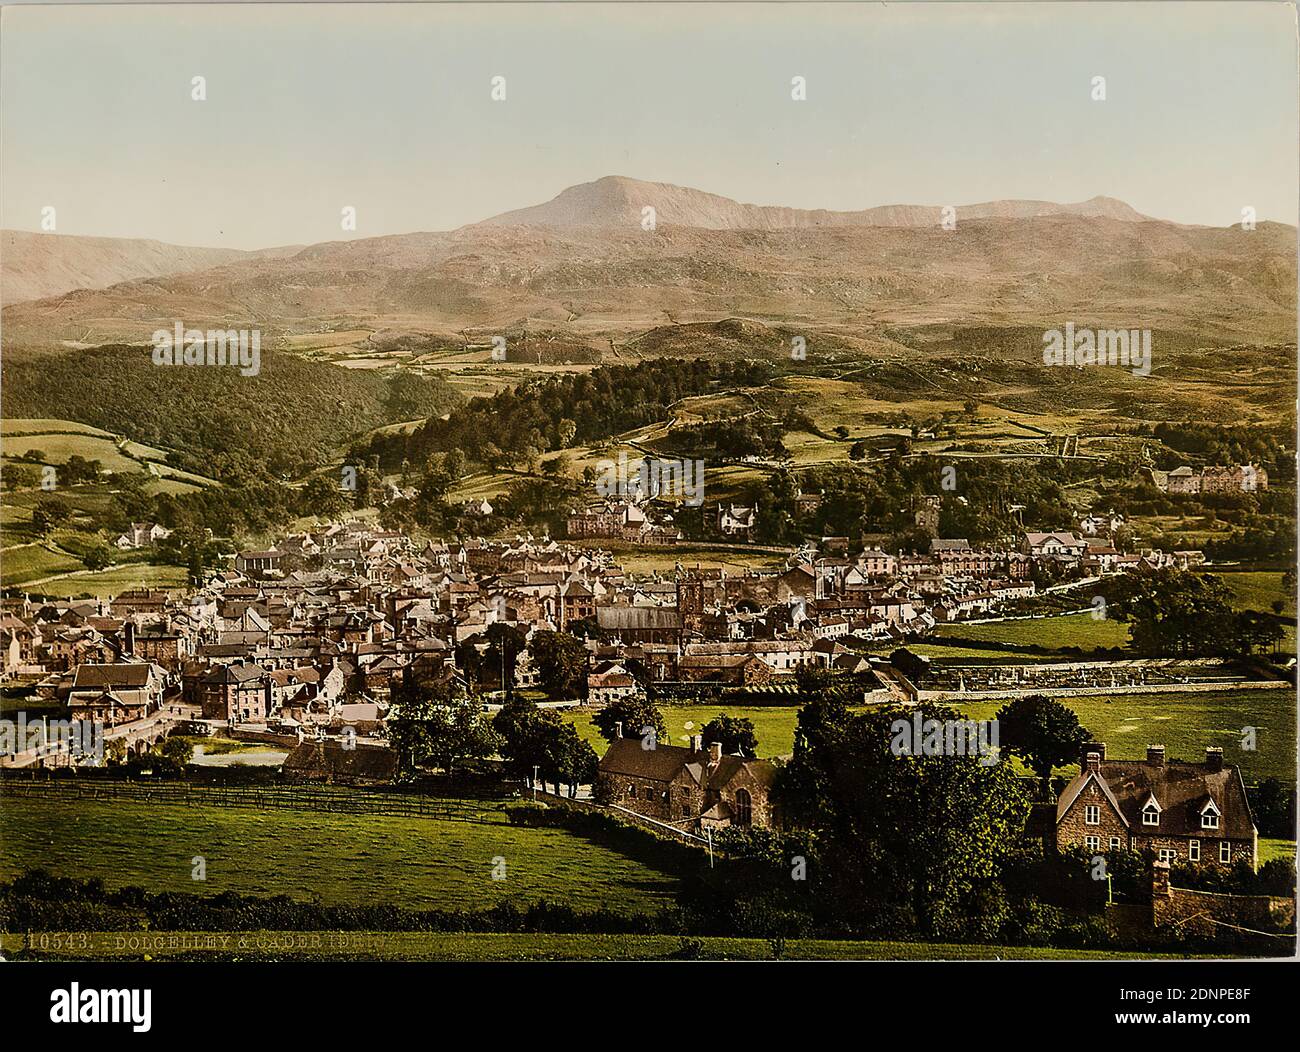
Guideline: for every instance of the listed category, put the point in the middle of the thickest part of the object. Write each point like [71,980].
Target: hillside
[870,284]
[617,201]
[38,266]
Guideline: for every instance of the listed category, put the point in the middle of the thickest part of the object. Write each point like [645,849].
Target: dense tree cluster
[286,420]
[555,412]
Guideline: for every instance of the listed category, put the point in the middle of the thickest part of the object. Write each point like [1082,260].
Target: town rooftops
[112,677]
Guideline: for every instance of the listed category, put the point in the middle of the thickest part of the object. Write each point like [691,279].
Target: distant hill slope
[36,266]
[602,284]
[616,201]
[583,271]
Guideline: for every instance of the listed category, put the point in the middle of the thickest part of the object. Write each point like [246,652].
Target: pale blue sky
[387,108]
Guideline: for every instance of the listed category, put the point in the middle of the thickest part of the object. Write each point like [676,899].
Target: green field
[418,863]
[31,562]
[1259,590]
[478,946]
[111,582]
[31,426]
[1185,723]
[1271,849]
[773,725]
[1071,630]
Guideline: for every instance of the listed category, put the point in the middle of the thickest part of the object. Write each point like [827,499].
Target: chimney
[618,729]
[1214,758]
[1156,755]
[1088,752]
[715,752]
[697,743]
[1092,762]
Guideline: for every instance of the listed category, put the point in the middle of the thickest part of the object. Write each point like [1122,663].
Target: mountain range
[583,269]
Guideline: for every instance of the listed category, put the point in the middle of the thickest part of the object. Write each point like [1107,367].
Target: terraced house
[1181,811]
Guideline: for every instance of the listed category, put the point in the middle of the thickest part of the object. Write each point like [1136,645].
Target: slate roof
[90,677]
[1181,789]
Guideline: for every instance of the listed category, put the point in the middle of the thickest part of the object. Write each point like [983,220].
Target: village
[304,646]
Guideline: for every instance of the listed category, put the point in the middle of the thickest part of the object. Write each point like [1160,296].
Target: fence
[332,800]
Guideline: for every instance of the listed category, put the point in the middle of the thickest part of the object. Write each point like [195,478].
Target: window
[1167,854]
[1151,815]
[1225,852]
[744,808]
[1093,842]
[1092,815]
[1194,851]
[1210,820]
[1114,843]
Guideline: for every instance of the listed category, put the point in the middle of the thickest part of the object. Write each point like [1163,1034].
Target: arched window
[744,808]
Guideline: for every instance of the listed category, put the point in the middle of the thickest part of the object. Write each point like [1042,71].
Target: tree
[505,644]
[635,713]
[811,679]
[521,726]
[568,758]
[425,728]
[1042,732]
[97,557]
[469,661]
[178,750]
[565,431]
[18,477]
[323,497]
[50,513]
[1172,612]
[735,733]
[561,664]
[927,834]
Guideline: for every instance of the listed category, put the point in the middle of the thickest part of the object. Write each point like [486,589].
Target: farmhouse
[689,787]
[1196,812]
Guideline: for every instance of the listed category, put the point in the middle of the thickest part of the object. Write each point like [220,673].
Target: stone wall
[1207,912]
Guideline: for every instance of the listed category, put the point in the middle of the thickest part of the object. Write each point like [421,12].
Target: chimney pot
[618,729]
[1089,750]
[1156,755]
[715,752]
[697,742]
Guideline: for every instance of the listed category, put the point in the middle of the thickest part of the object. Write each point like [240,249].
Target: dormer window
[1210,816]
[1151,813]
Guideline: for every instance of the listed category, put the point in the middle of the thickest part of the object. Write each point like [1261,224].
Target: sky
[388,109]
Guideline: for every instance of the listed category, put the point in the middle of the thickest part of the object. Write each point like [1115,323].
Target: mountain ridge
[615,200]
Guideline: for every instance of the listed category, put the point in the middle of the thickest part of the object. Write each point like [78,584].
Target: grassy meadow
[418,863]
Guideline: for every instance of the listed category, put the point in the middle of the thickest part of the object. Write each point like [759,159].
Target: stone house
[239,693]
[691,788]
[115,693]
[1193,812]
